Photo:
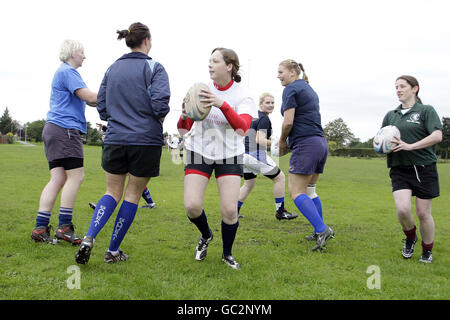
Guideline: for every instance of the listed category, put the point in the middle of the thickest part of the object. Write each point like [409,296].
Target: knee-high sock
[103,211]
[228,235]
[309,210]
[318,204]
[202,225]
[124,219]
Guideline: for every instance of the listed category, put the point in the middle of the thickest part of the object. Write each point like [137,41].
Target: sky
[352,51]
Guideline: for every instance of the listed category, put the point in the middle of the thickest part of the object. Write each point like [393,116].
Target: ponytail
[134,35]
[297,67]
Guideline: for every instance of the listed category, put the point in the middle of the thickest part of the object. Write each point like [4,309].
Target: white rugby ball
[384,141]
[195,109]
[275,146]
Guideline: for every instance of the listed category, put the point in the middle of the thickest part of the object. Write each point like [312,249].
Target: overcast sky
[352,51]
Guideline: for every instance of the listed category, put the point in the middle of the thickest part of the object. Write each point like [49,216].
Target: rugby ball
[384,141]
[194,108]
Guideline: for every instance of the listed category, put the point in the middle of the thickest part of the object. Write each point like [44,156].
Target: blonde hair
[297,67]
[68,47]
[264,96]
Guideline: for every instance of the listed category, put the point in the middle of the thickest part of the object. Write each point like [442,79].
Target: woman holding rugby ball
[302,125]
[216,144]
[413,164]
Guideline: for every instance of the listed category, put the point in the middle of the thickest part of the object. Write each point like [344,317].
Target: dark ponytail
[230,57]
[134,35]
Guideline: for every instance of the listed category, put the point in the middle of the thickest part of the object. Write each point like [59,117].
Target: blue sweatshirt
[133,97]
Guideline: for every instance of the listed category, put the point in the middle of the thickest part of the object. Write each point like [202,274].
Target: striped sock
[65,215]
[43,218]
[146,195]
[279,204]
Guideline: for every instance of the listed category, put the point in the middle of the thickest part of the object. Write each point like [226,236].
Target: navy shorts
[423,181]
[309,155]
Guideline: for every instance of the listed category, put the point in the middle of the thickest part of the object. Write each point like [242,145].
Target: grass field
[277,263]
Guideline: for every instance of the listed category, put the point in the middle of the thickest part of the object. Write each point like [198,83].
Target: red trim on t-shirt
[224,88]
[194,171]
[239,122]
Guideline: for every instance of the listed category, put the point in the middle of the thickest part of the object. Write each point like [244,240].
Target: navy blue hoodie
[133,97]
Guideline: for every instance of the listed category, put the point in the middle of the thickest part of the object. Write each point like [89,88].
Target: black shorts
[423,181]
[140,161]
[66,163]
[196,164]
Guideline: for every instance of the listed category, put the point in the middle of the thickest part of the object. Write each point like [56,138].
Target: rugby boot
[42,234]
[231,262]
[312,237]
[111,258]
[408,248]
[427,256]
[84,252]
[285,215]
[322,239]
[148,206]
[202,247]
[92,205]
[66,232]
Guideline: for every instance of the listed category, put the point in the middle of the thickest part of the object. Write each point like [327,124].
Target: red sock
[410,234]
[427,246]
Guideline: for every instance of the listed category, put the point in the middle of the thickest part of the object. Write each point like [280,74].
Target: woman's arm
[432,139]
[286,128]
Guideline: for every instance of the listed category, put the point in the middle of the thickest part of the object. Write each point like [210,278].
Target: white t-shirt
[213,137]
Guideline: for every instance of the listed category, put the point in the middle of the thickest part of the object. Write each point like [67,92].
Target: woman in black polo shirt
[413,164]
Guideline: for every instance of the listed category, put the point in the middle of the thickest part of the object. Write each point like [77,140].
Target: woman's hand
[282,147]
[209,99]
[401,145]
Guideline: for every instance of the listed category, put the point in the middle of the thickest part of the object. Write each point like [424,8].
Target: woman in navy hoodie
[134,99]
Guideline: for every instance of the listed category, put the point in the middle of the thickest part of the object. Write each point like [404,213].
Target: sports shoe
[241,216]
[84,252]
[92,205]
[67,232]
[285,215]
[408,248]
[148,206]
[322,239]
[202,247]
[111,258]
[231,262]
[42,234]
[427,256]
[311,237]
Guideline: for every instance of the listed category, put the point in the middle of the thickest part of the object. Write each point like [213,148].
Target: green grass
[277,263]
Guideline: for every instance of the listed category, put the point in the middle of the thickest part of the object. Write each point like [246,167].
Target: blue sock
[123,222]
[103,211]
[146,196]
[43,218]
[309,210]
[65,215]
[318,205]
[228,235]
[279,204]
[240,205]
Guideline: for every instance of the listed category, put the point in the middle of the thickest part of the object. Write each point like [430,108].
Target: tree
[5,122]
[34,130]
[93,136]
[338,131]
[445,143]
